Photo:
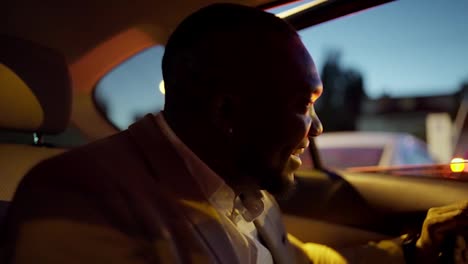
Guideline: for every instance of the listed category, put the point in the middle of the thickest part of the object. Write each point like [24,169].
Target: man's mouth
[298,151]
[301,148]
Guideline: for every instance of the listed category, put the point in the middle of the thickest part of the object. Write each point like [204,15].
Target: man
[187,185]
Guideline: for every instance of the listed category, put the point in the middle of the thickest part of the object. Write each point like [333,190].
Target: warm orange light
[457,165]
[103,57]
[162,88]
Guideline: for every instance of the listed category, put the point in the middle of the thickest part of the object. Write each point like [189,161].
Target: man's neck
[211,149]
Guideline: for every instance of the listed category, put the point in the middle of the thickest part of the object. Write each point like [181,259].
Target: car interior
[53,54]
[30,73]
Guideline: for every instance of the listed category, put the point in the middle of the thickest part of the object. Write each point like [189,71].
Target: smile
[298,151]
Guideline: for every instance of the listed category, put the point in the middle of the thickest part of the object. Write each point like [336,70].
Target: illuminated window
[132,89]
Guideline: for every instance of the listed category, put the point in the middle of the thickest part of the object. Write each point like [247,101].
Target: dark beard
[251,172]
[271,180]
[277,184]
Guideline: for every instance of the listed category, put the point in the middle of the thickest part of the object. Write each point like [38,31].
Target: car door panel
[327,233]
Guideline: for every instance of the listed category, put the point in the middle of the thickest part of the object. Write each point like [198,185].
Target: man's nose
[316,127]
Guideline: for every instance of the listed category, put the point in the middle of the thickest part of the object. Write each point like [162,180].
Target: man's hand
[441,223]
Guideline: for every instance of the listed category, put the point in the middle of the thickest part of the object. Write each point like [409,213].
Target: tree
[340,104]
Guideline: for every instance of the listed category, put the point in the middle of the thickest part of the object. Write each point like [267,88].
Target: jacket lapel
[272,231]
[169,169]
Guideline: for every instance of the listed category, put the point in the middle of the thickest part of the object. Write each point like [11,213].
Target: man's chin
[277,180]
[283,184]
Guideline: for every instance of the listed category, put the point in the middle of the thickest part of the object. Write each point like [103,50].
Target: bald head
[220,49]
[240,87]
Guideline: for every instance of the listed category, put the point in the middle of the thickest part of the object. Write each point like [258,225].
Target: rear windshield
[132,89]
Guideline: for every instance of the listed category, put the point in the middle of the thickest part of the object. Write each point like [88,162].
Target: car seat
[35,100]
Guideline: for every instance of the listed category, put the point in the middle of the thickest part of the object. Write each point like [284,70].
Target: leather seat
[35,99]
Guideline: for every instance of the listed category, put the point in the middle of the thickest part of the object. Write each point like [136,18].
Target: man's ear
[225,108]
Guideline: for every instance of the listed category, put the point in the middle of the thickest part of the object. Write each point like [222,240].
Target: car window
[132,89]
[388,68]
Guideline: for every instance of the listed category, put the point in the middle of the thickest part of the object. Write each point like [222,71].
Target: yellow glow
[19,106]
[300,8]
[162,88]
[457,165]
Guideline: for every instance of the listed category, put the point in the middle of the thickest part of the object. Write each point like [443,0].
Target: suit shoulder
[85,163]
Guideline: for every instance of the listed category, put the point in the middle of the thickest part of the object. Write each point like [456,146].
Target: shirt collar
[215,190]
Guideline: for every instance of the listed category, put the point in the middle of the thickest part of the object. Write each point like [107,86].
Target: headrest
[35,87]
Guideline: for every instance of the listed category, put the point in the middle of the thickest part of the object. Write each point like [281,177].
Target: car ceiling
[95,36]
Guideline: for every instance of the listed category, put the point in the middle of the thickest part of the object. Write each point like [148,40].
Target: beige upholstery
[15,161]
[19,107]
[35,97]
[35,94]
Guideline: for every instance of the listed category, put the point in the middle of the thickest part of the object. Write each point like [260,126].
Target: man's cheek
[301,128]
